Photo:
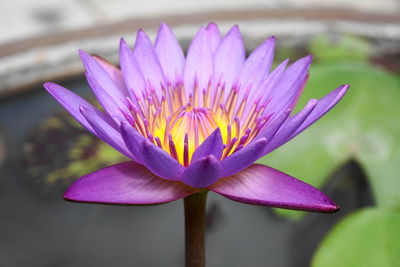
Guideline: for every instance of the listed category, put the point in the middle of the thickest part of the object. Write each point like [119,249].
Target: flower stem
[195,225]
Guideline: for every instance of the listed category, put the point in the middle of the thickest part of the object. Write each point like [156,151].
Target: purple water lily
[195,123]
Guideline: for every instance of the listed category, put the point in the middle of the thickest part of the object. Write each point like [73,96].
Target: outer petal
[114,72]
[290,126]
[160,162]
[256,67]
[214,36]
[201,173]
[273,125]
[132,74]
[263,92]
[126,183]
[264,185]
[106,132]
[106,91]
[71,102]
[243,158]
[199,67]
[148,62]
[229,58]
[285,94]
[324,105]
[213,145]
[170,54]
[132,139]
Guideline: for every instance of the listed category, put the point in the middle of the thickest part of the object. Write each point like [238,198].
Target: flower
[195,123]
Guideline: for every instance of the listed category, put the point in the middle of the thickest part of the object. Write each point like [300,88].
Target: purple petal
[243,158]
[214,36]
[160,162]
[199,66]
[255,69]
[148,62]
[265,90]
[105,131]
[71,102]
[132,139]
[290,126]
[114,73]
[273,125]
[285,94]
[262,185]
[131,72]
[201,173]
[106,91]
[170,54]
[213,145]
[229,58]
[126,184]
[323,106]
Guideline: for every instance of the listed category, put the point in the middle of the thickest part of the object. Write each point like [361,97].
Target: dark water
[38,229]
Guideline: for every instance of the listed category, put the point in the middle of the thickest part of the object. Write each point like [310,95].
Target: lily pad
[366,238]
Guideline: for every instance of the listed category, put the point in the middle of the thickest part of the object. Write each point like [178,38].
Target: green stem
[195,225]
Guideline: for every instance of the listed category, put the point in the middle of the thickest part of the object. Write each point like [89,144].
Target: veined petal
[114,73]
[148,62]
[263,185]
[229,58]
[170,54]
[243,158]
[126,183]
[290,126]
[264,91]
[324,105]
[105,131]
[106,91]
[273,125]
[213,145]
[160,162]
[71,102]
[290,86]
[201,173]
[132,74]
[214,36]
[132,139]
[256,67]
[199,66]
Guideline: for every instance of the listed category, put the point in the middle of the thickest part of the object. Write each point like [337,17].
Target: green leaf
[363,126]
[367,238]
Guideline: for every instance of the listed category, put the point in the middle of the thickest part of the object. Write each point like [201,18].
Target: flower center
[179,125]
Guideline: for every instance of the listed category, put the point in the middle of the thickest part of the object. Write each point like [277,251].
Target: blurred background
[352,154]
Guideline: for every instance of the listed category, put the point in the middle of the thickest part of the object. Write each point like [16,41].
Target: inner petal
[179,124]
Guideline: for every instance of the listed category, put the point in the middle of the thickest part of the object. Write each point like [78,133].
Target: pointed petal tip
[345,87]
[212,25]
[270,40]
[201,173]
[312,102]
[164,26]
[122,41]
[49,86]
[83,54]
[235,28]
[141,34]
